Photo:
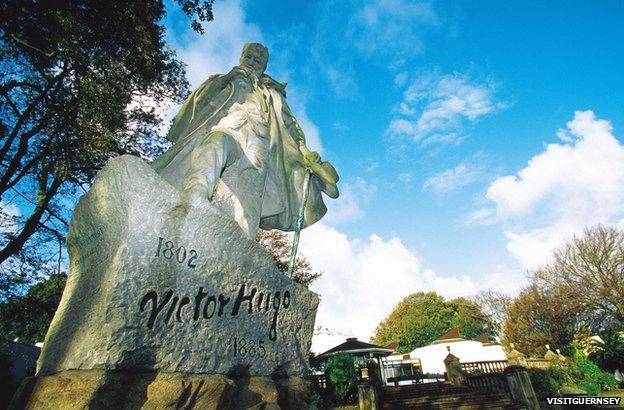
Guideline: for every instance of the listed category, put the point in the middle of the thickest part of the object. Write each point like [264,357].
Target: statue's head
[255,56]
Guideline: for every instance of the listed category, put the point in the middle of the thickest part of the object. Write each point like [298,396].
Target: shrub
[571,376]
[342,376]
[547,382]
[316,399]
[7,385]
[590,375]
[590,387]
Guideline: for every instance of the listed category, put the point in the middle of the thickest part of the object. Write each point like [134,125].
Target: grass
[614,393]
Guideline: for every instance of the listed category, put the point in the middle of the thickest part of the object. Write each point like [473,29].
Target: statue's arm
[323,170]
[292,125]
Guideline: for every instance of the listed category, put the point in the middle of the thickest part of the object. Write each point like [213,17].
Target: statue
[238,145]
[168,300]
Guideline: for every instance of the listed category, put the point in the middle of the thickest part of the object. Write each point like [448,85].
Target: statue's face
[255,59]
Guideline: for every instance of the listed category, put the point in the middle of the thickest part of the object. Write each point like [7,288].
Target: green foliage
[610,353]
[316,399]
[421,318]
[7,385]
[575,374]
[547,382]
[468,317]
[80,82]
[28,317]
[342,376]
[589,375]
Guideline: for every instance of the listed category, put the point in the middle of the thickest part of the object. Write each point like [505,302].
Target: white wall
[432,356]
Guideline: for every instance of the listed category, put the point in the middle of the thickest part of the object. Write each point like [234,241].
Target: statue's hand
[309,157]
[324,171]
[235,72]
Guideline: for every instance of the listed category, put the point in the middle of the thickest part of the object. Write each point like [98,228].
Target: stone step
[449,394]
[444,396]
[463,406]
[461,400]
[422,390]
[450,399]
[451,403]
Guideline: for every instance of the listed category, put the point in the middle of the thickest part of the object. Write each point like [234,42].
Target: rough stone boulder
[157,284]
[106,389]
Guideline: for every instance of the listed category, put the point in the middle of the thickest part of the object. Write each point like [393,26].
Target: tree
[421,318]
[536,318]
[495,305]
[610,353]
[588,272]
[341,375]
[277,243]
[80,82]
[28,317]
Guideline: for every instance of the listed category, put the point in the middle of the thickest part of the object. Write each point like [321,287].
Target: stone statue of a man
[238,145]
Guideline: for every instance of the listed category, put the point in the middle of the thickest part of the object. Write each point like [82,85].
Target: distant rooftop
[352,345]
[450,336]
[453,336]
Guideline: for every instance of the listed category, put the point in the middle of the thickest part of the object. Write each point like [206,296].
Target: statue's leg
[210,157]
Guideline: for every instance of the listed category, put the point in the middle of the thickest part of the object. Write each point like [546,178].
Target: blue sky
[471,137]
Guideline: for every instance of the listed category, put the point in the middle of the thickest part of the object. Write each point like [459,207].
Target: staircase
[444,396]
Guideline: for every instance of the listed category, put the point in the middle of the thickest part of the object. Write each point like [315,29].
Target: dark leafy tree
[610,353]
[27,318]
[342,377]
[277,243]
[80,81]
[421,318]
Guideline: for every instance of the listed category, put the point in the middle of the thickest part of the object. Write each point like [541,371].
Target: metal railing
[403,369]
[492,366]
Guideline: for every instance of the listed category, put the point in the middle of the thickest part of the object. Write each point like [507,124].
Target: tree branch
[30,227]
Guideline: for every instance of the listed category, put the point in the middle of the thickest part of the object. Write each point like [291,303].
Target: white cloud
[434,108]
[364,280]
[406,177]
[353,197]
[390,26]
[569,186]
[342,81]
[400,79]
[219,49]
[9,213]
[452,179]
[483,217]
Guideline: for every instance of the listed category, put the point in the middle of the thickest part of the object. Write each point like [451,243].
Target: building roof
[352,345]
[451,334]
[483,339]
[449,337]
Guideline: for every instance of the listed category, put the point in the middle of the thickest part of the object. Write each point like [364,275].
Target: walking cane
[299,225]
